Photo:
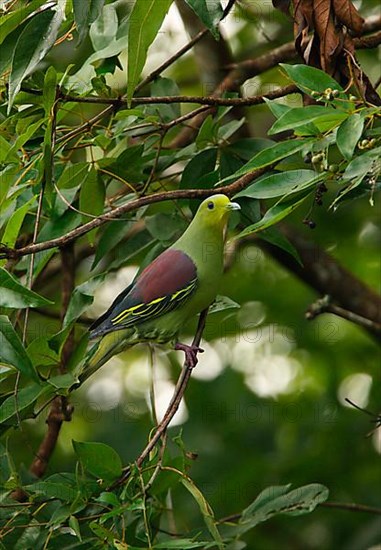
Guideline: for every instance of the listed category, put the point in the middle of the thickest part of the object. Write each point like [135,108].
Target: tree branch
[240,72]
[132,205]
[325,305]
[60,410]
[327,276]
[173,406]
[349,506]
[213,101]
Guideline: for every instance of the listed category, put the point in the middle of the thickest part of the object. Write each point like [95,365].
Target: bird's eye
[210,205]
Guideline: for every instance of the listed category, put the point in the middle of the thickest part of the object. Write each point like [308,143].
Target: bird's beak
[233,206]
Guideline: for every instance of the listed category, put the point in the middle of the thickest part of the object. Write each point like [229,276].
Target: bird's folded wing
[163,286]
[145,311]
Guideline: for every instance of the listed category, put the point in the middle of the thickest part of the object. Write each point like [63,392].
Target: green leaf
[85,13]
[7,50]
[49,92]
[222,303]
[348,134]
[276,238]
[271,155]
[82,297]
[275,214]
[179,544]
[92,195]
[99,459]
[367,164]
[15,295]
[230,128]
[145,21]
[207,134]
[30,130]
[103,30]
[26,397]
[324,118]
[13,20]
[128,165]
[130,248]
[5,148]
[165,87]
[73,175]
[309,79]
[279,184]
[246,148]
[209,12]
[201,164]
[205,509]
[360,166]
[164,227]
[53,490]
[74,524]
[14,224]
[12,352]
[114,232]
[63,382]
[40,353]
[277,109]
[279,500]
[34,42]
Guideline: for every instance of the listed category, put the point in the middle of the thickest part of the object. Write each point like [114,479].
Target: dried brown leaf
[303,24]
[348,15]
[329,35]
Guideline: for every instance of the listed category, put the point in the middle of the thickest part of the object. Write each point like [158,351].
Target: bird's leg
[190,353]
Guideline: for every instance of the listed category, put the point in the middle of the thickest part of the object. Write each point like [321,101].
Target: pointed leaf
[275,214]
[279,500]
[15,295]
[99,459]
[310,79]
[34,42]
[14,224]
[145,21]
[276,238]
[12,352]
[324,118]
[82,297]
[85,13]
[13,20]
[270,155]
[205,509]
[348,134]
[92,195]
[209,12]
[26,397]
[279,184]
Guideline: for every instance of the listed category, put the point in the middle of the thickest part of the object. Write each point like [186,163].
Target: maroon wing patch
[161,287]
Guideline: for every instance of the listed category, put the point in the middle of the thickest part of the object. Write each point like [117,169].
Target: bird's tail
[103,350]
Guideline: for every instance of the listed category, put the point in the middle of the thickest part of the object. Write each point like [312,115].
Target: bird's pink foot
[190,353]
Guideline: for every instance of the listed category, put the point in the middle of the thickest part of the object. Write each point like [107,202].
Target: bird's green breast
[206,251]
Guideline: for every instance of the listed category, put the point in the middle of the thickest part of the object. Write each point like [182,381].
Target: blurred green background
[266,403]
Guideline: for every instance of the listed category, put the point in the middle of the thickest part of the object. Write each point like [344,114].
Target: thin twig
[352,507]
[130,206]
[202,100]
[60,410]
[173,406]
[88,124]
[152,76]
[325,305]
[349,506]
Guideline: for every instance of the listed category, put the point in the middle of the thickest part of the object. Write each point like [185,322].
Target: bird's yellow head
[215,210]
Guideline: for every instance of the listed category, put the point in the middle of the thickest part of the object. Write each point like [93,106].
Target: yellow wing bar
[142,312]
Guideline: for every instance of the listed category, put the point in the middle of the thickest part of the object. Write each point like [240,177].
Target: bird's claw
[190,353]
